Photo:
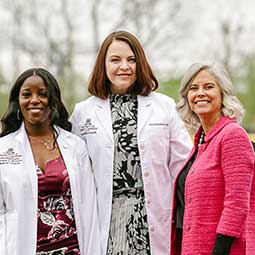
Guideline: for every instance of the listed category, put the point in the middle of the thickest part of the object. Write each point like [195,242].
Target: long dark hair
[12,119]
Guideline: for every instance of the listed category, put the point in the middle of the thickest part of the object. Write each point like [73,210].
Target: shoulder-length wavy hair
[99,84]
[231,106]
[12,119]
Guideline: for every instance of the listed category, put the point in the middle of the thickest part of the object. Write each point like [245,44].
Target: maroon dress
[56,233]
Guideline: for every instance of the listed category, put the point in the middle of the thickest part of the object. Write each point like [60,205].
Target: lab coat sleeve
[180,144]
[88,188]
[3,240]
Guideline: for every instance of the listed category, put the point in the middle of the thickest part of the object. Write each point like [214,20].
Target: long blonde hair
[231,106]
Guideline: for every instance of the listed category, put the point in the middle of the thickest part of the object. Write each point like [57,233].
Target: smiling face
[205,98]
[120,64]
[33,102]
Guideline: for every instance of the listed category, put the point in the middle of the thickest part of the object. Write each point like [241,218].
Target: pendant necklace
[46,143]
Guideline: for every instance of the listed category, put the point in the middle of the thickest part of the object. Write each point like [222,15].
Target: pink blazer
[219,192]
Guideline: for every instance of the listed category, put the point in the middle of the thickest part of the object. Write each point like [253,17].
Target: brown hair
[145,82]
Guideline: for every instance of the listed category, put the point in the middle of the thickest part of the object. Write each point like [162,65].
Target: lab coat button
[146,174]
[142,146]
[152,228]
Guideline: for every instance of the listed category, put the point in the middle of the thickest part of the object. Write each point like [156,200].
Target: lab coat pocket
[158,143]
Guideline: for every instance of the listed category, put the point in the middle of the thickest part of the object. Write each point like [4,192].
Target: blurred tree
[45,37]
[42,33]
[245,90]
[157,29]
[138,16]
[95,23]
[64,36]
[17,20]
[247,94]
[3,94]
[3,103]
[230,37]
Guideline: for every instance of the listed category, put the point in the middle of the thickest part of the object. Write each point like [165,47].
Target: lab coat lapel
[144,111]
[66,151]
[103,113]
[71,163]
[29,163]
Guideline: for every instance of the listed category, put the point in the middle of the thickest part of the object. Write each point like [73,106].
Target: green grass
[252,136]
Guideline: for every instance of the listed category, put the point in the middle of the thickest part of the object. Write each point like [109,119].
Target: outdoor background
[64,36]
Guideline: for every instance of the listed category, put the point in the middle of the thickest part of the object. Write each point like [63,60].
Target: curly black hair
[12,119]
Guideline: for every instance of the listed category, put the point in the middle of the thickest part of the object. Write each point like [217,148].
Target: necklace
[46,143]
[201,138]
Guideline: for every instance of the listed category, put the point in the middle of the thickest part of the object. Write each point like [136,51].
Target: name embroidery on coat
[10,157]
[158,124]
[88,128]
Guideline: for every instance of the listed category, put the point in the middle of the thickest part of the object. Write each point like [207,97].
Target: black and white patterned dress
[129,233]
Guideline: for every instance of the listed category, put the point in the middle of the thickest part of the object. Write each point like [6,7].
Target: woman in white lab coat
[47,189]
[136,143]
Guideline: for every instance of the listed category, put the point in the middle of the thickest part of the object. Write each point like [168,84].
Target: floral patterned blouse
[129,234]
[56,234]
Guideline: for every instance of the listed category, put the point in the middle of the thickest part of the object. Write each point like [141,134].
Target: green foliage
[72,87]
[4,96]
[3,103]
[248,95]
[170,88]
[245,88]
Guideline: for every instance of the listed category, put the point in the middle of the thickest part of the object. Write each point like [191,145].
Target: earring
[18,114]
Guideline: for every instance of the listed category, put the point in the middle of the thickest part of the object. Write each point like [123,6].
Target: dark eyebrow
[24,89]
[114,56]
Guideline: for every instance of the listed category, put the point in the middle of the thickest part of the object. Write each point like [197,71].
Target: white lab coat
[163,144]
[19,193]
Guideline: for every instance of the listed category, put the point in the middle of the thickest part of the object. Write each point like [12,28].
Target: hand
[222,244]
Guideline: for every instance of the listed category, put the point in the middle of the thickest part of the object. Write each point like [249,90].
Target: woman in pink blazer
[214,193]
